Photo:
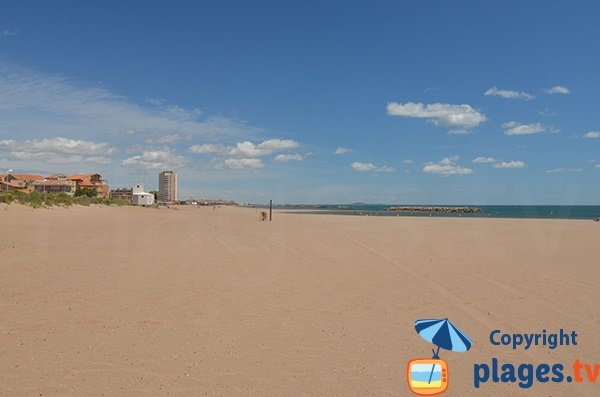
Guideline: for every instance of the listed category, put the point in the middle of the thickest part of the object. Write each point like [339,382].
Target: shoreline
[320,213]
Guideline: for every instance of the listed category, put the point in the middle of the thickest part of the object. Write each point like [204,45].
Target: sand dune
[190,301]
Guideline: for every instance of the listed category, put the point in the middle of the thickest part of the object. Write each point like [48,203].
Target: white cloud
[363,167]
[462,117]
[446,167]
[170,138]
[547,112]
[9,32]
[7,144]
[246,154]
[508,94]
[208,148]
[484,160]
[278,144]
[52,158]
[155,159]
[557,89]
[516,128]
[288,157]
[510,164]
[407,161]
[64,145]
[343,150]
[597,166]
[563,170]
[243,164]
[368,167]
[385,169]
[592,135]
[34,104]
[249,149]
[31,102]
[497,163]
[459,131]
[98,160]
[59,150]
[246,149]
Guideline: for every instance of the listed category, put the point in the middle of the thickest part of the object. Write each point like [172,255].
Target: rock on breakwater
[463,210]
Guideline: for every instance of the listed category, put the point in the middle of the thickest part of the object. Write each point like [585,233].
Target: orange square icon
[427,376]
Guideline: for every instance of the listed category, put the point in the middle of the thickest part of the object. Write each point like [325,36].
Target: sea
[590,212]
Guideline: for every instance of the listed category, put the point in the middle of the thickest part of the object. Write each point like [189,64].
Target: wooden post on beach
[270,210]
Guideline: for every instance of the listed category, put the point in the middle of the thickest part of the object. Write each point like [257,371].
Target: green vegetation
[86,192]
[39,200]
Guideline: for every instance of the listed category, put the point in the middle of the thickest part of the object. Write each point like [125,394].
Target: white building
[139,197]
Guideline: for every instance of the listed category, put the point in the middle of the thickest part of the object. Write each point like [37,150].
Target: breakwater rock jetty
[462,210]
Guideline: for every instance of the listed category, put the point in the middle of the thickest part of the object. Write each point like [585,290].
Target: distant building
[57,177]
[94,181]
[140,197]
[167,186]
[122,193]
[58,185]
[18,182]
[55,183]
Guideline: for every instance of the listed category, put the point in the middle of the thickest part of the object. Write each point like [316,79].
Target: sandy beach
[102,301]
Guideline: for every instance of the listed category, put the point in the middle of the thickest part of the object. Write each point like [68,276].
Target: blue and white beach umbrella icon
[443,334]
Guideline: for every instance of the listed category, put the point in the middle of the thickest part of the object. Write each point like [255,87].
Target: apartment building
[167,187]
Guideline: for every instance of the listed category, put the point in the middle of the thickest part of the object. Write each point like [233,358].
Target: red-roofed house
[18,182]
[91,180]
[57,185]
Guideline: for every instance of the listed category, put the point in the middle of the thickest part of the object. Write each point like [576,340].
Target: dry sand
[192,302]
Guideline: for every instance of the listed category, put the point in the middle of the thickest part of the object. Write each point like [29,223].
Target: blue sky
[453,102]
